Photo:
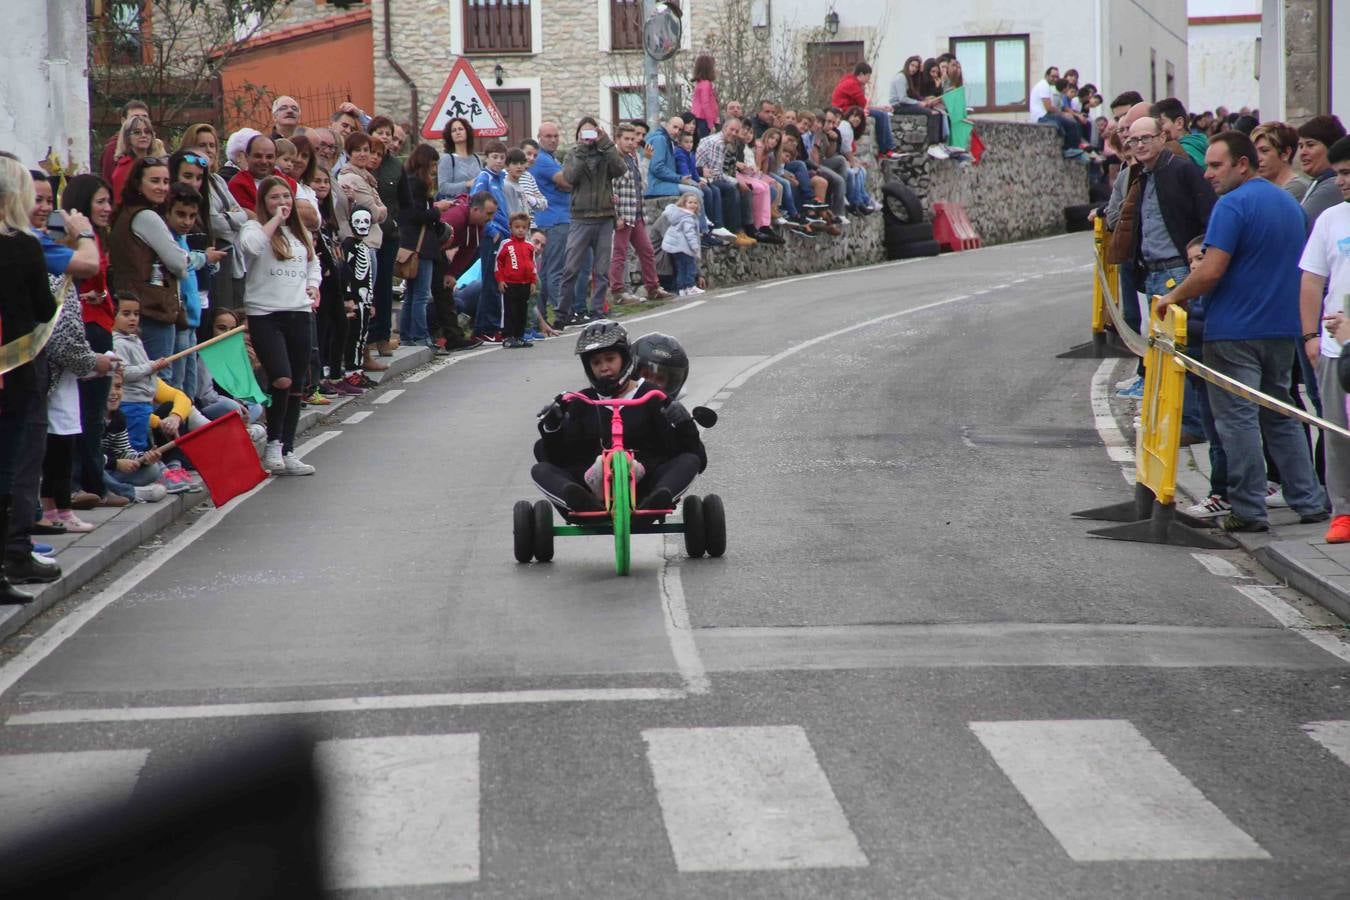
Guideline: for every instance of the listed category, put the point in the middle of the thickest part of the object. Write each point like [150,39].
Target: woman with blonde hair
[135,141]
[24,304]
[227,218]
[283,291]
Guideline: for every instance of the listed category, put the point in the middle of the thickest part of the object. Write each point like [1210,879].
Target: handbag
[405,262]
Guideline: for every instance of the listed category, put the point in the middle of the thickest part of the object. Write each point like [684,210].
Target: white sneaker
[1274,496]
[271,460]
[722,233]
[292,465]
[937,151]
[1209,508]
[151,493]
[780,221]
[1126,383]
[842,220]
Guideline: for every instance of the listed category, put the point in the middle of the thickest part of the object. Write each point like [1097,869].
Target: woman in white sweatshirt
[281,294]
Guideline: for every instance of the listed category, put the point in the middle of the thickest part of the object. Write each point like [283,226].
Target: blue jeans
[802,193]
[885,137]
[1218,459]
[158,339]
[489,316]
[787,202]
[185,370]
[686,272]
[412,318]
[124,484]
[1264,365]
[712,205]
[551,265]
[1070,131]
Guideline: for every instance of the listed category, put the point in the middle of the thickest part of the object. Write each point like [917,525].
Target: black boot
[9,595]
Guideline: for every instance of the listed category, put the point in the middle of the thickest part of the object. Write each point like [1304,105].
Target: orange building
[321,63]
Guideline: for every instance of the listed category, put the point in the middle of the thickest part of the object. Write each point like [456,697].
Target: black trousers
[676,474]
[93,412]
[282,342]
[56,469]
[515,301]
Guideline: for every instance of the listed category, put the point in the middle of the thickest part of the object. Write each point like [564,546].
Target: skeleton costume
[358,286]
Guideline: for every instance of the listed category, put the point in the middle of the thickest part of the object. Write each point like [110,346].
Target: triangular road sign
[464,96]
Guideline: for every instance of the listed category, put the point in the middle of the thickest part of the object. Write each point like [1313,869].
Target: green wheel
[522,522]
[714,525]
[543,531]
[695,539]
[622,511]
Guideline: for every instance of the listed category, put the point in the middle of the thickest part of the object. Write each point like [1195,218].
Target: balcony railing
[625,24]
[497,26]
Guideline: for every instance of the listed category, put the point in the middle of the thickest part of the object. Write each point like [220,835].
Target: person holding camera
[591,168]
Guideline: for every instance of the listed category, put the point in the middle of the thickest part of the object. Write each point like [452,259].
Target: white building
[1225,38]
[44,88]
[1118,45]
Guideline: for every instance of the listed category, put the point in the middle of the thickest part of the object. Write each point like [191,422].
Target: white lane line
[40,791]
[667,312]
[1217,565]
[733,293]
[714,405]
[1290,617]
[675,616]
[341,705]
[1117,447]
[400,811]
[42,647]
[425,373]
[797,348]
[1335,736]
[389,396]
[357,417]
[1018,281]
[745,799]
[1106,793]
[722,395]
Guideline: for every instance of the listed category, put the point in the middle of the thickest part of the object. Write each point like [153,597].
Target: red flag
[224,456]
[976,145]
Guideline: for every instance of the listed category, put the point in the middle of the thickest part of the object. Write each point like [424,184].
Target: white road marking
[666,312]
[1290,617]
[1335,736]
[340,705]
[389,396]
[797,348]
[1018,281]
[43,646]
[714,405]
[1106,793]
[1217,565]
[675,616]
[722,395]
[733,293]
[423,374]
[357,417]
[745,799]
[400,810]
[39,791]
[1117,447]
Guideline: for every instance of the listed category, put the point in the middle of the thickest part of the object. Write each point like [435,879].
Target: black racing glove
[551,416]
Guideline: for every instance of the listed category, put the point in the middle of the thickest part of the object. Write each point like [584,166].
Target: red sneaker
[1339,532]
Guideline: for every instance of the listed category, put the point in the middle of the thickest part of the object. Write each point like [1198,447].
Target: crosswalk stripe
[1335,736]
[741,799]
[40,790]
[400,811]
[1106,793]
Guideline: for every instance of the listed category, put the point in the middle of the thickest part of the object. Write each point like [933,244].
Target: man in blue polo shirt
[554,221]
[1250,278]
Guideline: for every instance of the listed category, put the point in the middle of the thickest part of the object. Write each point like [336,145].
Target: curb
[91,554]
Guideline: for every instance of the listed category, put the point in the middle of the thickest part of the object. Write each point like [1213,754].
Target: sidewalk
[83,557]
[1295,553]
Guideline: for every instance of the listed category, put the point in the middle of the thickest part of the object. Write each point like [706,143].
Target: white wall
[44,89]
[1135,28]
[1223,66]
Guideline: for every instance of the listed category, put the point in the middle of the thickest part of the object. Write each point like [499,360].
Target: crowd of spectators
[1244,224]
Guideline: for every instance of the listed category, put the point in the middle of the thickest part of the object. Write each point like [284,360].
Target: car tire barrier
[1151,516]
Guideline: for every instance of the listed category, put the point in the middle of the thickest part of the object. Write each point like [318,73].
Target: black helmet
[660,358]
[605,334]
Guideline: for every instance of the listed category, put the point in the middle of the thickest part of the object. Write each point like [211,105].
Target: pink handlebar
[616,403]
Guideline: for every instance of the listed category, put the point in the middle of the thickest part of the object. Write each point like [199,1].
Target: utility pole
[650,79]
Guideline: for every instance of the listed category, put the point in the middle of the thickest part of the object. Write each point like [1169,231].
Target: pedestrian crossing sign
[464,97]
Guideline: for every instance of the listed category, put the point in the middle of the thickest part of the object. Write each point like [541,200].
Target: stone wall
[1017,191]
[859,245]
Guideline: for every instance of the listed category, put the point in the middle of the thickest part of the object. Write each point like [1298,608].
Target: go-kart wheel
[695,539]
[543,531]
[522,522]
[714,525]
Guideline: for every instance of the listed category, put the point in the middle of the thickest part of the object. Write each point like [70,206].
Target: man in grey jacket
[591,168]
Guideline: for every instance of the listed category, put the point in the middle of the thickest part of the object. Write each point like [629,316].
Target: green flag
[955,101]
[230,368]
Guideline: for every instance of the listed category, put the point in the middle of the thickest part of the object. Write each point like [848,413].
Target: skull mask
[360,222]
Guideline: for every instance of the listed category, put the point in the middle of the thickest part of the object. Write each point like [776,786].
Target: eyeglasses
[1141,139]
[196,160]
[156,160]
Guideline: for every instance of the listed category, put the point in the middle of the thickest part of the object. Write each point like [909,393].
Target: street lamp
[832,23]
[498,73]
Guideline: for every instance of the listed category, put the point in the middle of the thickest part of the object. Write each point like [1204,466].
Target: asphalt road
[913,674]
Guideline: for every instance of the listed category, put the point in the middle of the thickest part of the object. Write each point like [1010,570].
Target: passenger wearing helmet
[573,435]
[660,361]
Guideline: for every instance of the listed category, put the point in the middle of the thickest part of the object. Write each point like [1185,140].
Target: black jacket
[1185,199]
[420,212]
[585,432]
